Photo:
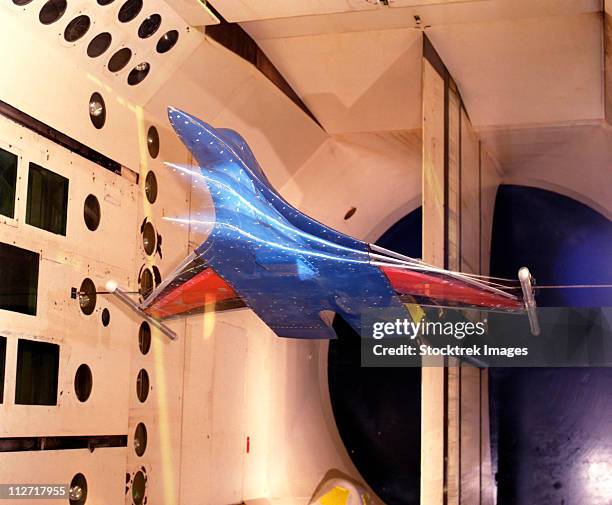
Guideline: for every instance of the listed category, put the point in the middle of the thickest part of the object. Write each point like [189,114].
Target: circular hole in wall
[138,73]
[120,59]
[77,28]
[142,385]
[97,110]
[146,282]
[129,10]
[52,11]
[140,439]
[144,337]
[156,274]
[167,41]
[87,296]
[105,317]
[91,212]
[77,494]
[151,187]
[99,44]
[153,142]
[149,26]
[148,238]
[83,382]
[139,485]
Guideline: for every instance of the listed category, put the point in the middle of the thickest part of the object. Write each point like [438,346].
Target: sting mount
[112,288]
[526,279]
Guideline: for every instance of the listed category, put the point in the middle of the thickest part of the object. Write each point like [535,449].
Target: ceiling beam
[233,37]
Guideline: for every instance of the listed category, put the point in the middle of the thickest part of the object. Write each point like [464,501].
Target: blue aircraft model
[295,273]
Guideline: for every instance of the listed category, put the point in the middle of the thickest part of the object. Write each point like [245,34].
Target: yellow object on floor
[336,496]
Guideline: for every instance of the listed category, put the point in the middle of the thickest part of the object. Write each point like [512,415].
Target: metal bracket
[530,304]
[112,288]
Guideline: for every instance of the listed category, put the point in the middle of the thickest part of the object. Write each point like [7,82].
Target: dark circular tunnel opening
[551,428]
[378,410]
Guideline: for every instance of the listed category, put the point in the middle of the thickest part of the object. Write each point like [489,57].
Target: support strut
[530,304]
[111,287]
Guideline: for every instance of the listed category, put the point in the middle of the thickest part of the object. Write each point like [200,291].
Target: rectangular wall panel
[433,166]
[433,378]
[470,197]
[103,470]
[454,179]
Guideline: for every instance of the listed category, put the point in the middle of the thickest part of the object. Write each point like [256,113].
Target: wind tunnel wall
[231,412]
[262,392]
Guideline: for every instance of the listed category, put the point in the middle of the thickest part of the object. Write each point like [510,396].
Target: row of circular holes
[53,10]
[83,385]
[144,333]
[140,434]
[83,382]
[149,236]
[84,379]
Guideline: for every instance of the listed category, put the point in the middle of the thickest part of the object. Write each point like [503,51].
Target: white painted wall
[361,81]
[221,382]
[377,173]
[65,262]
[240,379]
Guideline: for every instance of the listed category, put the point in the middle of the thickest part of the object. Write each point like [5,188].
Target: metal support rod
[111,287]
[530,304]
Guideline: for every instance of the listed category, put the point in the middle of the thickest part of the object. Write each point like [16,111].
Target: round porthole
[77,28]
[129,10]
[97,110]
[146,283]
[148,238]
[91,213]
[99,44]
[144,337]
[105,317]
[138,73]
[120,59]
[77,494]
[140,439]
[153,142]
[83,382]
[139,485]
[142,385]
[21,3]
[151,187]
[167,41]
[149,26]
[87,297]
[52,11]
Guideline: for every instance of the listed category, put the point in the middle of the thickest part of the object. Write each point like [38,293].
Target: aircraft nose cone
[185,125]
[177,117]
